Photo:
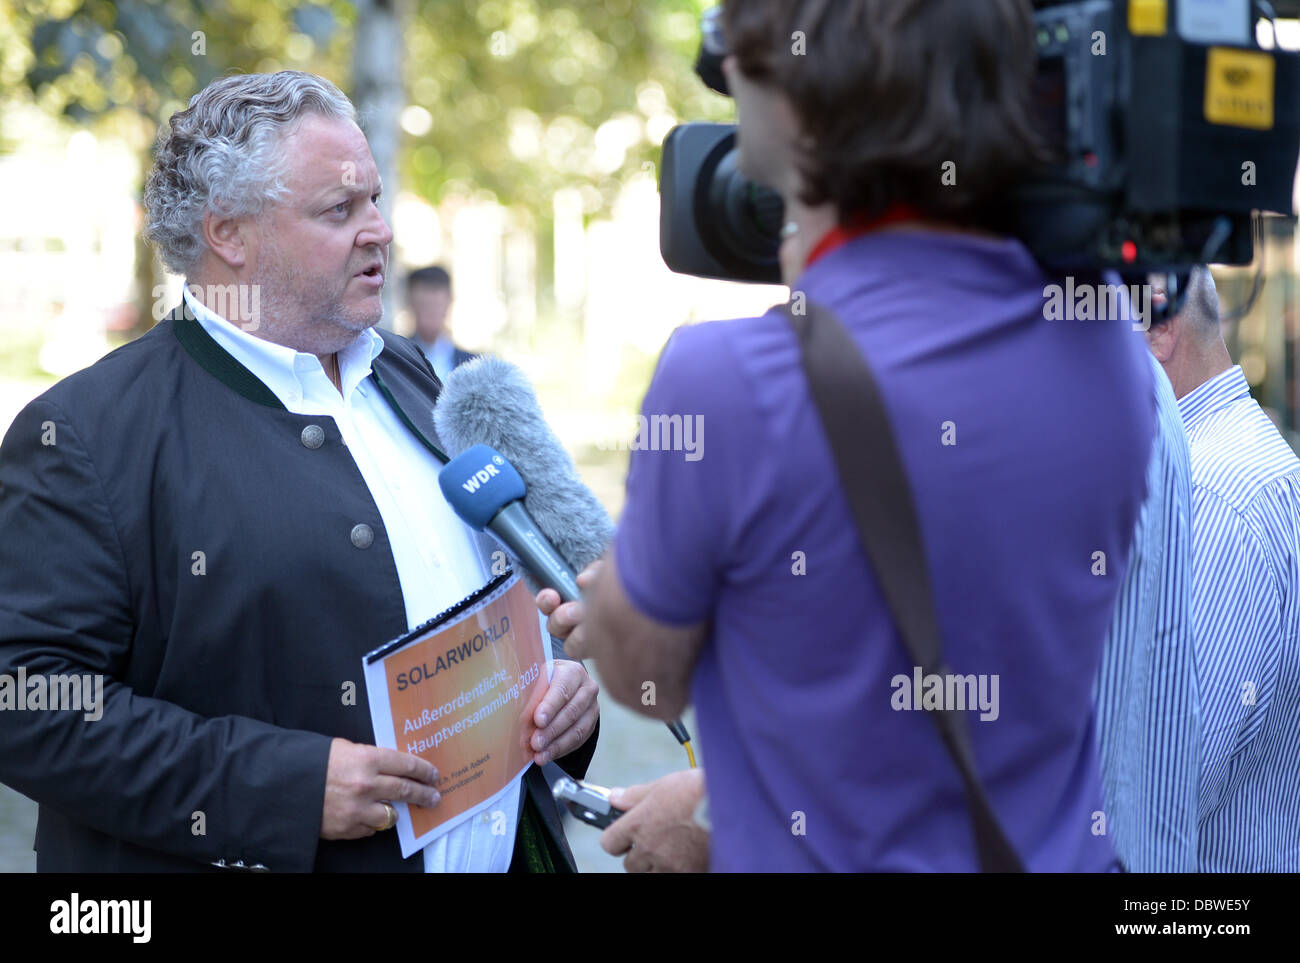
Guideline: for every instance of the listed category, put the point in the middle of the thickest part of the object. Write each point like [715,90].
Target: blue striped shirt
[1148,716]
[1246,612]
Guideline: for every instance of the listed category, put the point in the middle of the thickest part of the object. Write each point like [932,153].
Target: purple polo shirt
[1048,427]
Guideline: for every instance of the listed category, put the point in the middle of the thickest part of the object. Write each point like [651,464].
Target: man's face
[768,130]
[321,254]
[429,304]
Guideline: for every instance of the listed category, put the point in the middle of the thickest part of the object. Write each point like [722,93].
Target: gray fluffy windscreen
[488,401]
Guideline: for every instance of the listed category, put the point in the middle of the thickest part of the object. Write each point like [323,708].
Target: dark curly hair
[889,91]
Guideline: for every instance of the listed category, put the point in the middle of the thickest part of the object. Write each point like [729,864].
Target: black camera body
[713,221]
[1169,128]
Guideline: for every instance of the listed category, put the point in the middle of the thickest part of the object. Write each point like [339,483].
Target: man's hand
[565,621]
[658,826]
[359,776]
[567,714]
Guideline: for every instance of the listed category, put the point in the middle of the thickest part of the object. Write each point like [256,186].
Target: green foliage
[517,91]
[89,58]
[19,356]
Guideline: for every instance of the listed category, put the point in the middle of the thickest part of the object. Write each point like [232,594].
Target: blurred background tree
[508,100]
[122,68]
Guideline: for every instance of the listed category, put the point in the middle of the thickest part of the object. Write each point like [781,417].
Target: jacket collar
[216,361]
[402,397]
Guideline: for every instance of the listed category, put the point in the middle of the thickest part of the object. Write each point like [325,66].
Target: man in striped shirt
[1148,712]
[1245,597]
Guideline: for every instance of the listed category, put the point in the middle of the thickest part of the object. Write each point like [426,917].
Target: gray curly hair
[222,153]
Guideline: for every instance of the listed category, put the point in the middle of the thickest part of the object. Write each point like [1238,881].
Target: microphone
[489,401]
[488,494]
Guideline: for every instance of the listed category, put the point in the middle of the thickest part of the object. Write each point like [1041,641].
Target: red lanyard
[841,234]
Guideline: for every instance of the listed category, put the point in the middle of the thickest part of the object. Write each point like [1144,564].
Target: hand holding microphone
[488,494]
[560,524]
[564,617]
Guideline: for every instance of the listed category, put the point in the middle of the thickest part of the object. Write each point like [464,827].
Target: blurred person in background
[429,292]
[1245,596]
[738,581]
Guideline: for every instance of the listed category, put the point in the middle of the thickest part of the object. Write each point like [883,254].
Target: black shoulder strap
[875,483]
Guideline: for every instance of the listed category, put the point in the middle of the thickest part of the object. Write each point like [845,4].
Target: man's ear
[1163,339]
[225,238]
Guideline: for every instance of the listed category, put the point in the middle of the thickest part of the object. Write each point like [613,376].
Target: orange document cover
[460,691]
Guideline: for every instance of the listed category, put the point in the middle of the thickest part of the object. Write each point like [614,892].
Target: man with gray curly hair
[218,214]
[218,521]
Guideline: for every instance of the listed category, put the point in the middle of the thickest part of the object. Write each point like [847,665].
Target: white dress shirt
[436,561]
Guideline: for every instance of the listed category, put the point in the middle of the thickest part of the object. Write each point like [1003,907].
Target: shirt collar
[1217,393]
[291,375]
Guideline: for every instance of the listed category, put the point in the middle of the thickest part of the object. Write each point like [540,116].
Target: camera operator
[738,581]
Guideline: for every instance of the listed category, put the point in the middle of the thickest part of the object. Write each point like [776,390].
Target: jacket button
[313,436]
[363,536]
